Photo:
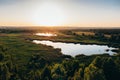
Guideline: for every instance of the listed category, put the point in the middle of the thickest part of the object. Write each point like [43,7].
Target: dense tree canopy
[100,68]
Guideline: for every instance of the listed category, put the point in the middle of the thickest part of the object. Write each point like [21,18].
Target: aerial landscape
[59,40]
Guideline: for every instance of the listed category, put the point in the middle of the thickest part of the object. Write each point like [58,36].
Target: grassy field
[74,37]
[20,44]
[22,50]
[85,33]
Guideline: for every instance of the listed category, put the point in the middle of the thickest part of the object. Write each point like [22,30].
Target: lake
[76,49]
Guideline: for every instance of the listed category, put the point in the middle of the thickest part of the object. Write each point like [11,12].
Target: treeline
[112,39]
[107,31]
[81,67]
[108,36]
[15,30]
[114,35]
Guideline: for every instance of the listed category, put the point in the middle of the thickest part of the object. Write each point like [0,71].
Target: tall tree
[93,73]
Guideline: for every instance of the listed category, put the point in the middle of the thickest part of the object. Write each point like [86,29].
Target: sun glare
[49,14]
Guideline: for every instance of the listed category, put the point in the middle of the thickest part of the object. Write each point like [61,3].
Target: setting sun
[49,14]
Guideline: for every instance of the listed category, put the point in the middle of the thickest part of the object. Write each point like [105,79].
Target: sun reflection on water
[45,34]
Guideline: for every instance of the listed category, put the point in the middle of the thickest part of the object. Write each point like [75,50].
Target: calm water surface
[45,34]
[75,49]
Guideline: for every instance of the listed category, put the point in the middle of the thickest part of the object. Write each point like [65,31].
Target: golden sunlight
[45,34]
[49,14]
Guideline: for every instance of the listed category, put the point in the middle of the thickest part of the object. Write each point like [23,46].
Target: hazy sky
[89,13]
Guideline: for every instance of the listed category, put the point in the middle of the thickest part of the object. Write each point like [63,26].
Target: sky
[78,13]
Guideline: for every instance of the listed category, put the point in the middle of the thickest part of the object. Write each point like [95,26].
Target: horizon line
[59,27]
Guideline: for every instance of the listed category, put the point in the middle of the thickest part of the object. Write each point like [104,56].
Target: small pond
[45,34]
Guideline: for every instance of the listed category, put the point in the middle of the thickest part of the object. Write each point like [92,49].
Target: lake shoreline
[75,42]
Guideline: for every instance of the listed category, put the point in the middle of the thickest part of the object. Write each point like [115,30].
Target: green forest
[20,59]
